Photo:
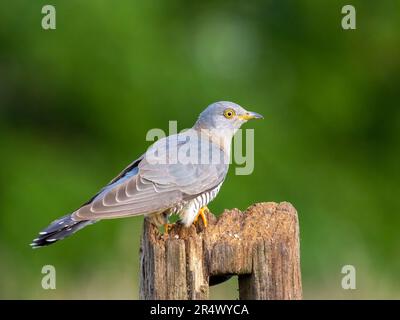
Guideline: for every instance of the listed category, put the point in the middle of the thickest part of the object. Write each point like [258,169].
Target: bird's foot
[202,215]
[168,227]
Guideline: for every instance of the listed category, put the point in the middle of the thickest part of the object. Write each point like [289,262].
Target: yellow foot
[167,227]
[202,215]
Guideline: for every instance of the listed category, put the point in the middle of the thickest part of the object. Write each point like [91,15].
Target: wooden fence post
[260,245]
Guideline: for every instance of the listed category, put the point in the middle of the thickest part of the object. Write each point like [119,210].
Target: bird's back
[174,169]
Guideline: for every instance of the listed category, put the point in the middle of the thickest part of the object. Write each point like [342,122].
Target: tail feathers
[58,230]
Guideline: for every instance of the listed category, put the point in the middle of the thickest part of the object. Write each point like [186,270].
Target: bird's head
[224,115]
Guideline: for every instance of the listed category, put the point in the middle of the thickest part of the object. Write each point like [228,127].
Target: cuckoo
[179,174]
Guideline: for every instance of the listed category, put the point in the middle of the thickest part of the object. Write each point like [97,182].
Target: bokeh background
[76,104]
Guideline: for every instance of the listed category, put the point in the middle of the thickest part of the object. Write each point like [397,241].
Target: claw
[202,215]
[167,227]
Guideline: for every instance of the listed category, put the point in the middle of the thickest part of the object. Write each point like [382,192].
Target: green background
[76,104]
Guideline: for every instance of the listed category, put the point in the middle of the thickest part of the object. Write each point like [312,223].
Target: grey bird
[179,174]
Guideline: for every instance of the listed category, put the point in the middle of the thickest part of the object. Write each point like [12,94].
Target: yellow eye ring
[229,113]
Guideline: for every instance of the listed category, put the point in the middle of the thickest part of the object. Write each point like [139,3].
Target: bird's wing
[155,182]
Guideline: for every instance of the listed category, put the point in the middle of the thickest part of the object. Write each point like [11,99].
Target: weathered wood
[260,245]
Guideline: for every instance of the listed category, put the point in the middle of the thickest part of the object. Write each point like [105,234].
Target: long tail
[58,230]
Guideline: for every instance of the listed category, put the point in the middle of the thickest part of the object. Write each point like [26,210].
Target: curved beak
[250,115]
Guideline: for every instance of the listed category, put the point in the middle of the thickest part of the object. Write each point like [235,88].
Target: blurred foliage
[76,103]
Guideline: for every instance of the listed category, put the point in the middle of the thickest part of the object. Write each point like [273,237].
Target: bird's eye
[229,113]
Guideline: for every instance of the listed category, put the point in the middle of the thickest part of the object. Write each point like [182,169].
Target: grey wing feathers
[149,186]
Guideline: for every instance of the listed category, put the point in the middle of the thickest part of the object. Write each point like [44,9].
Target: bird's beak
[250,115]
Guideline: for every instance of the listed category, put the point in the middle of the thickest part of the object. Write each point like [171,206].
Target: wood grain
[260,245]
